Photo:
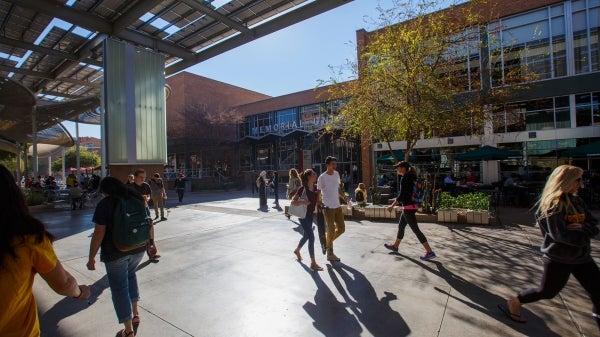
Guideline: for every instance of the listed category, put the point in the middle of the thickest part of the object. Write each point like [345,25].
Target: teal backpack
[131,224]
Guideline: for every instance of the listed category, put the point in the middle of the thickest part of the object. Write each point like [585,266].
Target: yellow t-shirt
[18,316]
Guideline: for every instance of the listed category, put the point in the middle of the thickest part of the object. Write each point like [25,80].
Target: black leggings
[410,218]
[555,277]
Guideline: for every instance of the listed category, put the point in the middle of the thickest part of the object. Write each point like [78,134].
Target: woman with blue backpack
[121,233]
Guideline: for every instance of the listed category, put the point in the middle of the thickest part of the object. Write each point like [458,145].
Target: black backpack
[131,224]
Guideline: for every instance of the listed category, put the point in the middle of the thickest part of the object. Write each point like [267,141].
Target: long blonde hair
[293,173]
[559,182]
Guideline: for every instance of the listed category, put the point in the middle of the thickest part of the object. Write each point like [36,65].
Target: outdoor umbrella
[488,153]
[391,159]
[588,150]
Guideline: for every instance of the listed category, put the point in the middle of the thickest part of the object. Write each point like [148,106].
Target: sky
[293,59]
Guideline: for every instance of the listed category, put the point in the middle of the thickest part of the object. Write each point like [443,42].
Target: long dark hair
[304,176]
[115,188]
[16,222]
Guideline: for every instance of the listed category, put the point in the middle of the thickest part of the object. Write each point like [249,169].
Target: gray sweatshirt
[563,245]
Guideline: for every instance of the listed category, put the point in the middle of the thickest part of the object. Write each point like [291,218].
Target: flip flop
[513,317]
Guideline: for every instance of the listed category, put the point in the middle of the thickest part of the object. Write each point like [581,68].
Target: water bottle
[349,204]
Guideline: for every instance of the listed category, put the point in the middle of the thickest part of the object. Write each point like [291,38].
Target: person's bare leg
[397,243]
[427,247]
[297,252]
[314,265]
[135,322]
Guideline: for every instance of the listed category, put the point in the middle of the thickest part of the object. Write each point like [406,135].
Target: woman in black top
[409,209]
[567,227]
[120,266]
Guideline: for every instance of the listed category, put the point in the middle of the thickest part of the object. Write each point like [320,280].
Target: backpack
[131,224]
[360,196]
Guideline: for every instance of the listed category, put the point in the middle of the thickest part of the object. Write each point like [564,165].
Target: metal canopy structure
[54,47]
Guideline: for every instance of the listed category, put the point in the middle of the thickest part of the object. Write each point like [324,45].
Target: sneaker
[163,219]
[428,256]
[390,247]
[332,257]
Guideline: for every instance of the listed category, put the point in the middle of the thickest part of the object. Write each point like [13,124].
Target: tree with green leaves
[417,76]
[86,159]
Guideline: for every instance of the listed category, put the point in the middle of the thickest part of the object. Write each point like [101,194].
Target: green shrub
[446,201]
[34,198]
[476,201]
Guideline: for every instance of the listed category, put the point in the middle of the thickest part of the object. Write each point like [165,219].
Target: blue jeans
[308,235]
[123,284]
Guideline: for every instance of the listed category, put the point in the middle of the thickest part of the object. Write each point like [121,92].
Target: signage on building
[289,126]
[306,159]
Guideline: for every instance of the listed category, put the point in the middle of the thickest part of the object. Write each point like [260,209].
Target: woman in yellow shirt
[26,249]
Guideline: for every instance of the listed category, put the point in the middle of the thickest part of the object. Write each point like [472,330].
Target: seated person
[76,195]
[449,180]
[383,181]
[360,195]
[513,180]
[462,183]
[470,178]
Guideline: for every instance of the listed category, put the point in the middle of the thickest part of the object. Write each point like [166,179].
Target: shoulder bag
[299,210]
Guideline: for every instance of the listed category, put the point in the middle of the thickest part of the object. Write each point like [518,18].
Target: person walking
[158,196]
[308,188]
[408,216]
[261,184]
[141,187]
[180,186]
[567,226]
[329,186]
[120,266]
[275,184]
[26,250]
[293,185]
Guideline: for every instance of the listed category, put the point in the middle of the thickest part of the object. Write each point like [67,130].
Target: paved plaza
[227,269]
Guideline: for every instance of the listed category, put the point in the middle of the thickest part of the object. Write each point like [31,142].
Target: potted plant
[476,205]
[447,211]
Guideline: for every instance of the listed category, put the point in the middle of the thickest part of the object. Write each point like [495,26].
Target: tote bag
[299,210]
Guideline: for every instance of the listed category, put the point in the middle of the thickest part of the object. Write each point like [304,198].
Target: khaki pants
[159,202]
[334,218]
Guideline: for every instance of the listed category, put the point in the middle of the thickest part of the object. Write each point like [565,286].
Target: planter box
[346,211]
[380,212]
[478,217]
[447,215]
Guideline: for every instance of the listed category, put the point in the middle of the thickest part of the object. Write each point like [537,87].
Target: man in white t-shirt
[329,185]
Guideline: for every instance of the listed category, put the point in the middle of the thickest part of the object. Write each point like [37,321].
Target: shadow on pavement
[374,313]
[68,307]
[329,315]
[483,301]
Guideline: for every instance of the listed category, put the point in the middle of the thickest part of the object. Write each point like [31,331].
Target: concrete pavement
[227,269]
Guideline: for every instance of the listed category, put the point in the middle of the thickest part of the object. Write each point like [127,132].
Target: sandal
[123,333]
[316,267]
[136,323]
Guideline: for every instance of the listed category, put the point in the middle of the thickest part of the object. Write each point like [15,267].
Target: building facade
[287,132]
[558,42]
[202,127]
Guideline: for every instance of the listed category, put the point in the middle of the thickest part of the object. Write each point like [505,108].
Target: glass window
[583,109]
[563,115]
[596,108]
[581,41]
